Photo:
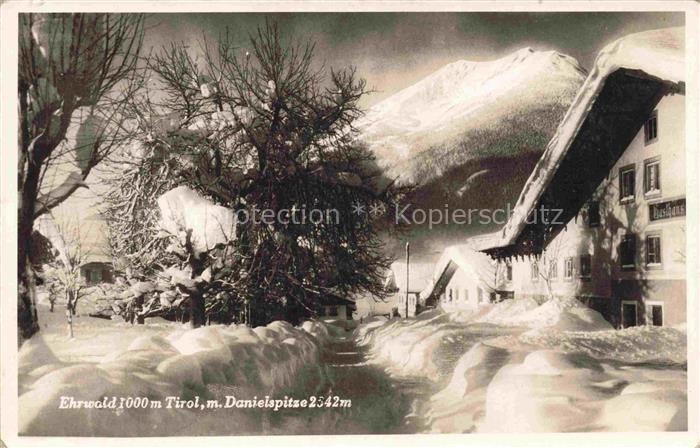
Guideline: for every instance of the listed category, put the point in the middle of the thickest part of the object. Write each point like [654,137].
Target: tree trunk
[197,311]
[52,302]
[197,314]
[69,314]
[27,320]
[140,319]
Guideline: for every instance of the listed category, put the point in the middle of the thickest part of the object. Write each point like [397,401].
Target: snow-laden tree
[62,275]
[263,133]
[76,73]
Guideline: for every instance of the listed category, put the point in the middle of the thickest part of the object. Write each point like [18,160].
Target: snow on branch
[184,211]
[47,201]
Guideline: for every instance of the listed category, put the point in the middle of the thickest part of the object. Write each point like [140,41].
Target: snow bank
[551,391]
[522,367]
[182,209]
[556,314]
[635,344]
[428,347]
[180,363]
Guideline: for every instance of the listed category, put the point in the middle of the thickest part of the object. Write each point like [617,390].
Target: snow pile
[428,347]
[460,405]
[559,314]
[503,313]
[183,210]
[179,363]
[551,391]
[555,381]
[543,368]
[634,344]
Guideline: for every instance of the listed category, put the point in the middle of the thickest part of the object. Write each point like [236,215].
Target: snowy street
[439,373]
[379,402]
[352,396]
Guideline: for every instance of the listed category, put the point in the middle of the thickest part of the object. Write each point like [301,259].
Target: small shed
[334,307]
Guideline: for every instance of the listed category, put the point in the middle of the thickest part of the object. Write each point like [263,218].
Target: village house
[419,276]
[96,262]
[602,217]
[464,279]
[334,307]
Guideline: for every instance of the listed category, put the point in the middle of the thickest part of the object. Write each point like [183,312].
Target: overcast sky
[394,50]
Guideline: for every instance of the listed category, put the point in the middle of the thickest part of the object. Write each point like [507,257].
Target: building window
[628,249]
[534,271]
[653,250]
[586,266]
[627,184]
[652,179]
[651,128]
[332,311]
[456,294]
[593,214]
[466,295]
[450,294]
[479,294]
[569,268]
[509,272]
[553,271]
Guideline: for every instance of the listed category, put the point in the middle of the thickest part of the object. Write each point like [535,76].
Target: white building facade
[624,252]
[602,216]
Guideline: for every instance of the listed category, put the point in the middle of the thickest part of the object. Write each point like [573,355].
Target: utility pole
[408,254]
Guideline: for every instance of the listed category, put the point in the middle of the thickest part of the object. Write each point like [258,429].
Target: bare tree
[548,265]
[76,73]
[63,274]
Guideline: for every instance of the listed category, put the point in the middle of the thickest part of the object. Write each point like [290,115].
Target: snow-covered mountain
[471,110]
[469,135]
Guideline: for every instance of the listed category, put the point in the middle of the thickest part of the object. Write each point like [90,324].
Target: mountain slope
[466,110]
[468,137]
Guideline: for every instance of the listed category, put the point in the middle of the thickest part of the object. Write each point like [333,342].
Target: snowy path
[379,403]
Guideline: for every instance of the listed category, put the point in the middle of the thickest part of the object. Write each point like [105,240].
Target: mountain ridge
[461,97]
[468,136]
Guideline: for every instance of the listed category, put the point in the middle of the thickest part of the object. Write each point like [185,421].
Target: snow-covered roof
[656,54]
[465,257]
[419,275]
